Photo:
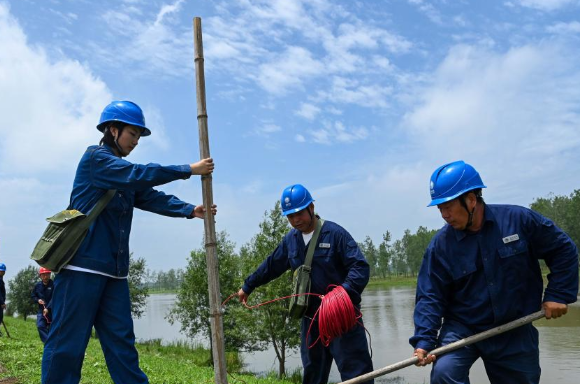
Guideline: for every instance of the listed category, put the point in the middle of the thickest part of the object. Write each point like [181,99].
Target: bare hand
[243,296]
[199,211]
[40,301]
[424,357]
[202,167]
[554,310]
[45,311]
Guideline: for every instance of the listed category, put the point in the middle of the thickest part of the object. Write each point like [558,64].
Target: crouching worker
[482,270]
[92,290]
[337,260]
[42,295]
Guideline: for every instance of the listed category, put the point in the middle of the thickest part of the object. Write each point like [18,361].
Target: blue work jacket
[106,247]
[485,279]
[44,292]
[337,260]
[2,292]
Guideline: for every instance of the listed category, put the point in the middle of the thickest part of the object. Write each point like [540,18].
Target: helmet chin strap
[123,154]
[470,214]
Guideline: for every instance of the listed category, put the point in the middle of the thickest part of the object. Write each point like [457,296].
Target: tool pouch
[60,240]
[299,304]
[64,235]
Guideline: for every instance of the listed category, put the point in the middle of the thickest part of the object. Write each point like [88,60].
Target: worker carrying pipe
[482,270]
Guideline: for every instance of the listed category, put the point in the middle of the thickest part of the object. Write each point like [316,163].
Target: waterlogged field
[20,358]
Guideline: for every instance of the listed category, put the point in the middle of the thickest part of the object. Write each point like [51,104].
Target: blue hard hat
[294,199]
[2,267]
[126,112]
[452,180]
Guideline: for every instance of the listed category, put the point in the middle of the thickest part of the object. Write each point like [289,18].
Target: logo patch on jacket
[324,245]
[510,238]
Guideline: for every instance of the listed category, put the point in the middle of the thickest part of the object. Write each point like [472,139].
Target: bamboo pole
[449,347]
[216,321]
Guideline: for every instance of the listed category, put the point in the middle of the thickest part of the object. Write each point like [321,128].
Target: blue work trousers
[81,300]
[43,327]
[350,352]
[509,358]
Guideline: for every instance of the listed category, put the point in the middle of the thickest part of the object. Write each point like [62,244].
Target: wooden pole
[449,347]
[217,331]
[6,329]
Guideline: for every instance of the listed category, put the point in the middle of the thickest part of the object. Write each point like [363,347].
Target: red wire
[45,316]
[336,315]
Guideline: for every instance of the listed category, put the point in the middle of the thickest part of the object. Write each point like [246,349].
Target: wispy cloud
[153,44]
[337,132]
[571,28]
[544,5]
[308,111]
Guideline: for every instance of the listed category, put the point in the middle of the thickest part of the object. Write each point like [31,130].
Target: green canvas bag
[64,234]
[299,304]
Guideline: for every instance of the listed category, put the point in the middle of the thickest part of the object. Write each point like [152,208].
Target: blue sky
[358,100]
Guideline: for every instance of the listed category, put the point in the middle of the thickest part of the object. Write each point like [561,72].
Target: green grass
[178,363]
[394,281]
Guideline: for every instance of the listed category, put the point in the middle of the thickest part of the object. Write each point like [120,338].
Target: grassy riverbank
[393,281]
[21,356]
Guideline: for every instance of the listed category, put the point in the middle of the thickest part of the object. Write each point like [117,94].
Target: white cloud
[49,108]
[504,111]
[153,45]
[308,111]
[545,5]
[572,27]
[288,70]
[348,91]
[300,138]
[266,129]
[429,10]
[338,133]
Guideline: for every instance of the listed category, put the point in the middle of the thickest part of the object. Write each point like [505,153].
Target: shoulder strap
[101,204]
[313,242]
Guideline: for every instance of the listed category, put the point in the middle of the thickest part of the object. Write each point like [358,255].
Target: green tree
[271,323]
[384,255]
[20,289]
[192,308]
[563,210]
[400,257]
[371,254]
[138,290]
[415,246]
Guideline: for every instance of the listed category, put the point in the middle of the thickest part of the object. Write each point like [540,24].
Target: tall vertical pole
[217,330]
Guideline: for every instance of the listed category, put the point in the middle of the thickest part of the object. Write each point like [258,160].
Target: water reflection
[388,316]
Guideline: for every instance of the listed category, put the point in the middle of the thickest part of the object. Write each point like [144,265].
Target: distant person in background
[92,290]
[482,270]
[2,293]
[42,295]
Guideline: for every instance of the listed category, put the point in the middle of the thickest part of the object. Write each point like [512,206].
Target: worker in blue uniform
[42,295]
[337,260]
[482,270]
[2,292]
[92,289]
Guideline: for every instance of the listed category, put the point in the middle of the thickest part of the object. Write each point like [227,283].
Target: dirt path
[8,380]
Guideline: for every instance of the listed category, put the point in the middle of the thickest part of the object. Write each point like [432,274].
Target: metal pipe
[449,347]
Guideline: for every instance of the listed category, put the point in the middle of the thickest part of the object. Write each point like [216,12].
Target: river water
[388,316]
